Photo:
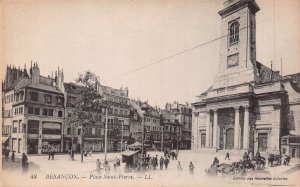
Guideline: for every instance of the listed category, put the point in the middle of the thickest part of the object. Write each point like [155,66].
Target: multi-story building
[183,113]
[10,124]
[172,131]
[151,119]
[37,112]
[93,135]
[118,116]
[249,107]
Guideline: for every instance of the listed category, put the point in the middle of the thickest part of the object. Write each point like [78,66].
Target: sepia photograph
[150,93]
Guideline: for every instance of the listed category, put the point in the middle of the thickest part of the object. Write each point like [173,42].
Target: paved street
[41,167]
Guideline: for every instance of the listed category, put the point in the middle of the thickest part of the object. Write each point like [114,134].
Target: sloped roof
[72,88]
[45,87]
[266,74]
[169,117]
[113,91]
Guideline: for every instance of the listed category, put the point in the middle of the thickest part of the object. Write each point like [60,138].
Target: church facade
[249,107]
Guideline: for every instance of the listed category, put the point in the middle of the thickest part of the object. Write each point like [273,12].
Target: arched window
[234,32]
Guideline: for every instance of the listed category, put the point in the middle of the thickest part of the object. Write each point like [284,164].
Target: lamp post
[253,140]
[144,108]
[24,130]
[105,135]
[122,136]
[197,130]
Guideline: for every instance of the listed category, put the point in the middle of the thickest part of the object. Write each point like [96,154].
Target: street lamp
[24,130]
[144,108]
[105,135]
[122,136]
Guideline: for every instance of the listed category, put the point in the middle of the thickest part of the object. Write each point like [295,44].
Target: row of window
[34,96]
[8,98]
[117,99]
[8,113]
[118,111]
[18,110]
[18,96]
[115,120]
[151,128]
[96,131]
[46,112]
[154,120]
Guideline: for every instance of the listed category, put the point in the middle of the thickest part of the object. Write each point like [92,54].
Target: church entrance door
[229,138]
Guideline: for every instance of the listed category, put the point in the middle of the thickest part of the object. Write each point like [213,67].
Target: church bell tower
[237,64]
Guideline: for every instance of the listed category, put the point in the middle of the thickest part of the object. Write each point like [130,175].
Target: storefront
[94,144]
[51,144]
[32,146]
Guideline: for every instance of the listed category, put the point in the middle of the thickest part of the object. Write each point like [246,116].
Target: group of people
[171,154]
[151,163]
[50,154]
[71,154]
[24,160]
[106,167]
[88,153]
[6,154]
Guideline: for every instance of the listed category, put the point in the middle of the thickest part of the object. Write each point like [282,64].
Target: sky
[114,37]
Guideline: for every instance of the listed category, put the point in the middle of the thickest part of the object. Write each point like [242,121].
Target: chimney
[35,76]
[126,91]
[59,79]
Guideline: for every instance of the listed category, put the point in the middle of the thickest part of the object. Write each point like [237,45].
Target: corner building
[249,107]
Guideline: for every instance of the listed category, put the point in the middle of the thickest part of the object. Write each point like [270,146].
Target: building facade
[37,112]
[249,107]
[152,124]
[183,113]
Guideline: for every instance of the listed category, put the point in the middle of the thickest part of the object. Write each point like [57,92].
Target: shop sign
[48,136]
[32,136]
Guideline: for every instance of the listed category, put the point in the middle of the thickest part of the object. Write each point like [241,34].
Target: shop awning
[129,153]
[135,144]
[4,139]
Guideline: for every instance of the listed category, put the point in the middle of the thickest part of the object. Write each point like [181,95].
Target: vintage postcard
[150,93]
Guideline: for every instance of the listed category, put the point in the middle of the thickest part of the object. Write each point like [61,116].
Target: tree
[87,105]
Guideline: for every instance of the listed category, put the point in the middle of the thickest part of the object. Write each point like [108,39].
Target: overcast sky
[111,38]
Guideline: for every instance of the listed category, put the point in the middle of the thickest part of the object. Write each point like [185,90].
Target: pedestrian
[115,168]
[24,163]
[227,156]
[155,162]
[144,165]
[85,153]
[90,153]
[191,168]
[257,155]
[150,164]
[179,168]
[161,163]
[6,154]
[118,162]
[166,162]
[98,165]
[176,155]
[13,156]
[49,153]
[52,154]
[216,161]
[72,154]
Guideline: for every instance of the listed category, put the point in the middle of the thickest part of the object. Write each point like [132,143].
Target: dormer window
[234,32]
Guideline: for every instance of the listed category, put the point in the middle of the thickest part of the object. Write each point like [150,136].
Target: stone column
[246,129]
[236,128]
[207,144]
[215,128]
